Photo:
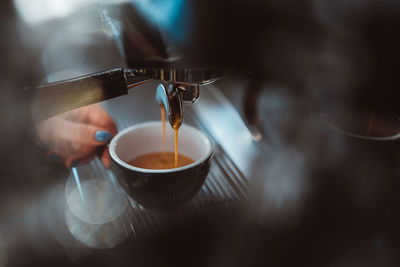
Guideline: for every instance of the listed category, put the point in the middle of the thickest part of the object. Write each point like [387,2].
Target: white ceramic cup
[166,188]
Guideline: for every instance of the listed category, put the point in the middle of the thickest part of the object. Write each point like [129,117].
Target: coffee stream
[163,128]
[176,128]
[176,147]
[163,159]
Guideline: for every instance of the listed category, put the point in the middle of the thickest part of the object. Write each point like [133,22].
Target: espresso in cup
[160,160]
[166,187]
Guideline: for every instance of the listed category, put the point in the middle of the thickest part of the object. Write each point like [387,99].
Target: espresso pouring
[163,159]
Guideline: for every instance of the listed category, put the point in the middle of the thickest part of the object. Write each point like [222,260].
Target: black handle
[54,98]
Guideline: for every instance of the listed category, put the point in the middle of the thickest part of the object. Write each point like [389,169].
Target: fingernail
[74,163]
[102,136]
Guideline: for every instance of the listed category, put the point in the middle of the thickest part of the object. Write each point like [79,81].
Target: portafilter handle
[58,97]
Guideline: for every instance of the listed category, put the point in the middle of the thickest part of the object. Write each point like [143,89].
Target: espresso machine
[309,180]
[190,44]
[184,45]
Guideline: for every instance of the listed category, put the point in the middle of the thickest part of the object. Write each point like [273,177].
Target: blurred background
[306,123]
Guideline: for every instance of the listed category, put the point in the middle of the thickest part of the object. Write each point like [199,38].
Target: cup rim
[369,138]
[122,163]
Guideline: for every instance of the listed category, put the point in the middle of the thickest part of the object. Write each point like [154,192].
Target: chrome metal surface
[189,93]
[169,97]
[183,76]
[133,79]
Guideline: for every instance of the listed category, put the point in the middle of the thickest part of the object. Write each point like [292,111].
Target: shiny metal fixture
[169,97]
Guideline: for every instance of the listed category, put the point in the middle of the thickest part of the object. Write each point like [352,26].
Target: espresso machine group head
[180,87]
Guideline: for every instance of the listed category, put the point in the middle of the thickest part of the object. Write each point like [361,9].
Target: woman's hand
[74,135]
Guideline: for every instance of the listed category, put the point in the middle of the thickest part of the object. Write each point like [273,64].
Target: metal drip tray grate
[224,189]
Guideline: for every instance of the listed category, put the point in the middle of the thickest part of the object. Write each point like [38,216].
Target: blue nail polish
[74,163]
[102,136]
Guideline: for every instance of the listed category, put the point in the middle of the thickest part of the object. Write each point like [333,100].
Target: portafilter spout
[168,96]
[181,86]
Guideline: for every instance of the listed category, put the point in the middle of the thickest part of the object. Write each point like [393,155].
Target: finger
[64,149]
[83,114]
[77,115]
[105,158]
[81,133]
[99,117]
[44,131]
